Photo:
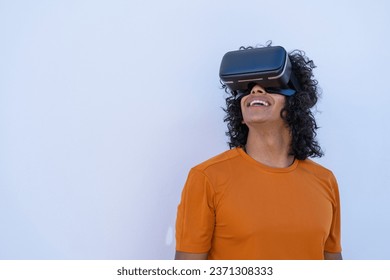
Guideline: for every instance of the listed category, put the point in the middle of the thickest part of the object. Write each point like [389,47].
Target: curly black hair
[296,113]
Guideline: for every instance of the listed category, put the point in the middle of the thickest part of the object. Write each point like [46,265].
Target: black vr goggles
[268,67]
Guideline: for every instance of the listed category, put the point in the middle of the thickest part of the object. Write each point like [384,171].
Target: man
[263,198]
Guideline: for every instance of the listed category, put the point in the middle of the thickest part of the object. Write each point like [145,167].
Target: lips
[258,103]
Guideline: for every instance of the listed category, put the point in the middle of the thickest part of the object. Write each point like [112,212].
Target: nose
[258,89]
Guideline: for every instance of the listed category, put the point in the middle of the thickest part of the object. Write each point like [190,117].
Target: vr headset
[268,67]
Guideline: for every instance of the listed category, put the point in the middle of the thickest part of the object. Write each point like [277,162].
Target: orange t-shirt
[234,207]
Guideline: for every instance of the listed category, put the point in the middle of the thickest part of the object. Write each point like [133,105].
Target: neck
[270,146]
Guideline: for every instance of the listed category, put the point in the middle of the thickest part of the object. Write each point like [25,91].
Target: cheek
[242,106]
[281,102]
[242,102]
[280,99]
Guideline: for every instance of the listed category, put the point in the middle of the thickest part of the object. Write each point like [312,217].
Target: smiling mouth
[258,103]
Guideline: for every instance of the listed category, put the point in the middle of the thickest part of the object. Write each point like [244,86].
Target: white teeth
[259,103]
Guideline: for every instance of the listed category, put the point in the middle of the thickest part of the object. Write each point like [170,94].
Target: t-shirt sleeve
[195,215]
[333,243]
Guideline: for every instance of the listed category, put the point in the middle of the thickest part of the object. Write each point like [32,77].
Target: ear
[283,113]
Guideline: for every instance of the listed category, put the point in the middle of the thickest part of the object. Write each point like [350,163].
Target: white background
[106,105]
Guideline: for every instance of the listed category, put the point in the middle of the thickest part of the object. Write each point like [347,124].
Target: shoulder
[218,161]
[209,174]
[317,170]
[218,168]
[315,167]
[323,176]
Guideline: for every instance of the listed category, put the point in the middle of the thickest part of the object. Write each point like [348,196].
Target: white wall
[105,105]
